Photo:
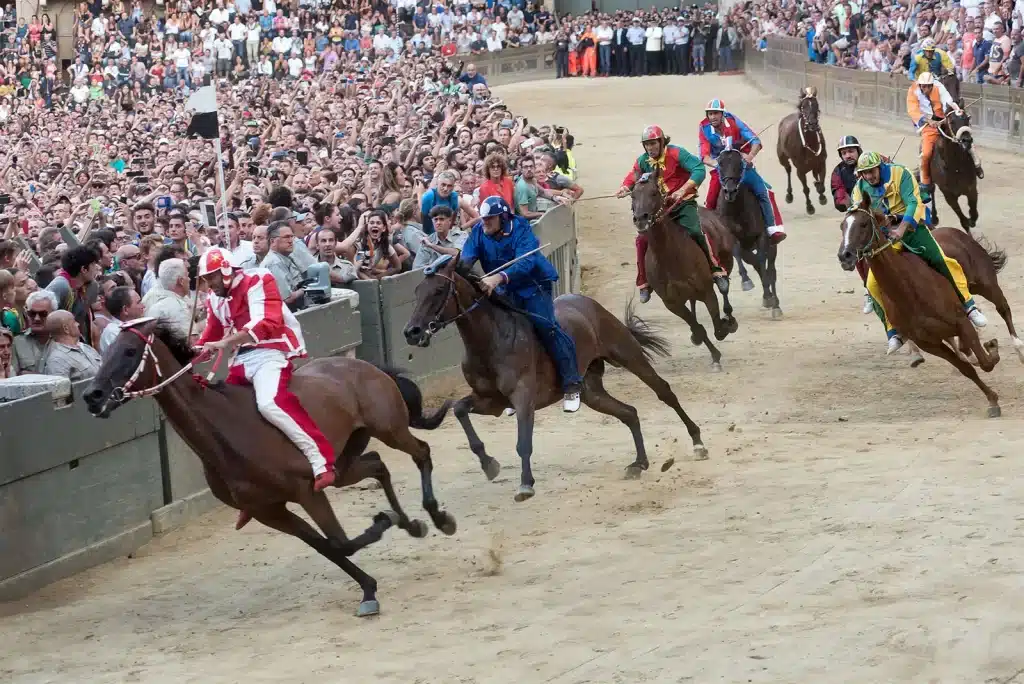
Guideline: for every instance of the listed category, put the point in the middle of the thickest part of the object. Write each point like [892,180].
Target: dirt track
[858,521]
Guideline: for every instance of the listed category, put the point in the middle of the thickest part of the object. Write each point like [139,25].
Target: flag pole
[222,215]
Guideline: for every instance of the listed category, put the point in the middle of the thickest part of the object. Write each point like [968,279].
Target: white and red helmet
[715,105]
[215,259]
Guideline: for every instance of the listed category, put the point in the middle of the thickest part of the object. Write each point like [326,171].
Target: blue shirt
[516,238]
[430,200]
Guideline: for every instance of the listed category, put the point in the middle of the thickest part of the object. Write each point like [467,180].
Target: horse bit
[122,394]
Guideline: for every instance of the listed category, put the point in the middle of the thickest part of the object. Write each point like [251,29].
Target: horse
[952,169]
[739,207]
[677,269]
[801,144]
[506,366]
[919,302]
[250,465]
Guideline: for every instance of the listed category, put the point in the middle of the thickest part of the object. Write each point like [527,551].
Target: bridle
[122,394]
[813,129]
[869,250]
[662,209]
[743,169]
[439,323]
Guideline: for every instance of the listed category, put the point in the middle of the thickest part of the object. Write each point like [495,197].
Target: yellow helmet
[868,160]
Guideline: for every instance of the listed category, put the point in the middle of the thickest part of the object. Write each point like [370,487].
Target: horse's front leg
[954,203]
[737,253]
[972,206]
[819,183]
[523,403]
[802,175]
[474,403]
[772,277]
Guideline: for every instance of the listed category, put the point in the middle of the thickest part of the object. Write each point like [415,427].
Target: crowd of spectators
[981,37]
[367,161]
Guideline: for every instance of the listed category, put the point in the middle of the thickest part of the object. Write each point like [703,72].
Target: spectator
[80,266]
[7,367]
[30,347]
[497,182]
[286,271]
[444,240]
[124,304]
[10,318]
[170,302]
[67,355]
[342,271]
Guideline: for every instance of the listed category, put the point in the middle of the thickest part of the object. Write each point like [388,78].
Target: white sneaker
[977,318]
[895,344]
[869,306]
[571,402]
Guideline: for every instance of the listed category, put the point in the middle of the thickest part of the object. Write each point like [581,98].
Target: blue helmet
[494,206]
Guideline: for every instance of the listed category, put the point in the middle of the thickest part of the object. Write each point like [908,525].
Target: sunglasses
[36,314]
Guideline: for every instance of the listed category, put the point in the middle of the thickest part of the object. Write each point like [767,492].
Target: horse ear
[865,202]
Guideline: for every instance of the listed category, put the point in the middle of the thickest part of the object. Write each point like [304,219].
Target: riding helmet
[927,78]
[846,142]
[927,45]
[652,133]
[868,160]
[715,105]
[215,259]
[494,206]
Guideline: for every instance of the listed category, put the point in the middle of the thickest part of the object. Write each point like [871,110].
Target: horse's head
[130,365]
[437,301]
[731,166]
[958,126]
[648,202]
[808,108]
[861,230]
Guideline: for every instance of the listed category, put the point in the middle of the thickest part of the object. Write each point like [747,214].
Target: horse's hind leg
[972,205]
[784,161]
[631,358]
[819,183]
[722,327]
[802,175]
[319,509]
[697,331]
[403,440]
[747,283]
[954,202]
[281,519]
[462,408]
[596,397]
[967,370]
[522,402]
[773,280]
[995,295]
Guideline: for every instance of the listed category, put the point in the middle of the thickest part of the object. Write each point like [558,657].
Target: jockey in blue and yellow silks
[893,190]
[930,60]
[720,130]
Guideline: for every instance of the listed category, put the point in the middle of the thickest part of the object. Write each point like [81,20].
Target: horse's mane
[499,301]
[175,342]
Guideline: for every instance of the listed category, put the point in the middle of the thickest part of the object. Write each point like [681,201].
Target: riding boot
[718,274]
[977,163]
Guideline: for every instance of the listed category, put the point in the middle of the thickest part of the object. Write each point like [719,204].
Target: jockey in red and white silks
[245,310]
[722,130]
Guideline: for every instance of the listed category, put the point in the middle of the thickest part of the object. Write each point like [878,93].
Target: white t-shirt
[218,16]
[654,34]
[182,57]
[237,32]
[295,65]
[253,33]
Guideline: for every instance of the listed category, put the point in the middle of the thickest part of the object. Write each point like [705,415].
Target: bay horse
[801,144]
[952,169]
[920,303]
[739,207]
[506,366]
[677,269]
[250,465]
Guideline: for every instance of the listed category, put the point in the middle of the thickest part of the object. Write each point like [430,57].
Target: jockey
[720,130]
[930,60]
[927,104]
[894,191]
[681,175]
[245,311]
[500,237]
[844,177]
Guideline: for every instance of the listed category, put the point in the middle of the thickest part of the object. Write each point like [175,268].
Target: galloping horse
[802,145]
[250,465]
[677,269]
[506,366]
[739,207]
[919,302]
[952,167]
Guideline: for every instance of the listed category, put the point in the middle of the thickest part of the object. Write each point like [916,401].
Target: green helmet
[868,160]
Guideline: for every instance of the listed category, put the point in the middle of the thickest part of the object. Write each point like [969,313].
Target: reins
[122,394]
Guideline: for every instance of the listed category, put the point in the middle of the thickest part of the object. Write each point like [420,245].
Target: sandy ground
[858,521]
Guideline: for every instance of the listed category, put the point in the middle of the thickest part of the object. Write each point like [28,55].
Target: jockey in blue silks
[721,130]
[498,238]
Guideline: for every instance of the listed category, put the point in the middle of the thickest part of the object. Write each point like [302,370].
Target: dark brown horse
[506,366]
[801,144]
[920,303]
[952,169]
[250,465]
[741,212]
[677,268]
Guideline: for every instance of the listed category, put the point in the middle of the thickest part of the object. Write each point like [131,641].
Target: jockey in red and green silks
[681,175]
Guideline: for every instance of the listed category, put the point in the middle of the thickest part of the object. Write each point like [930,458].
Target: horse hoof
[789,198]
[368,608]
[916,360]
[633,472]
[716,367]
[695,339]
[748,284]
[821,200]
[491,469]
[810,209]
[418,529]
[700,452]
[524,492]
[733,326]
[776,313]
[668,464]
[994,412]
[447,525]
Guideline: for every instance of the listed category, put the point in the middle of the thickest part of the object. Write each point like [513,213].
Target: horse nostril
[413,331]
[93,396]
[847,255]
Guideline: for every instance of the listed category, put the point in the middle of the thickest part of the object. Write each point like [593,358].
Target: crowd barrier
[76,491]
[879,98]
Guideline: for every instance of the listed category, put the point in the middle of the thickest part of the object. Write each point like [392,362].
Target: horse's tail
[645,334]
[413,399]
[997,255]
